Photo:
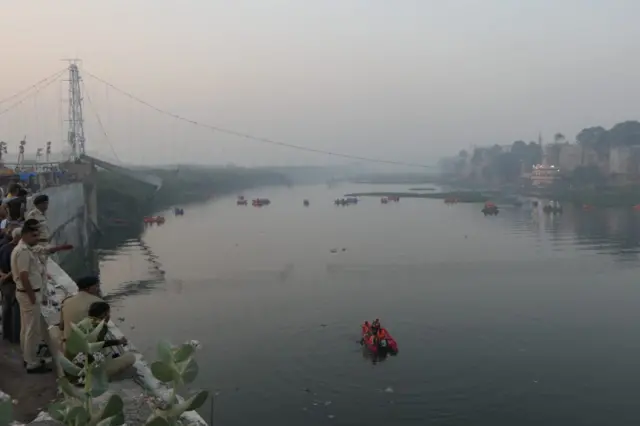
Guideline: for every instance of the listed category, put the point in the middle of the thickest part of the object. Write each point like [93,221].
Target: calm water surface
[516,319]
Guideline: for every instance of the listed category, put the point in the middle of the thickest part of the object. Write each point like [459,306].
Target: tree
[626,133]
[587,175]
[519,148]
[594,138]
[558,138]
[506,166]
[535,152]
[463,154]
[590,136]
[478,154]
[495,150]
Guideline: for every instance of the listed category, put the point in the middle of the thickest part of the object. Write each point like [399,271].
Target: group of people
[24,250]
[376,330]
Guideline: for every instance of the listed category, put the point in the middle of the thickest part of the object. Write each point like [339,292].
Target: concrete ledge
[64,286]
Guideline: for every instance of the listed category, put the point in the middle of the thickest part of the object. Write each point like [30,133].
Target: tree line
[505,164]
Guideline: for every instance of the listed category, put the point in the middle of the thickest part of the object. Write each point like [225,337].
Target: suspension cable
[15,95]
[249,136]
[18,103]
[95,112]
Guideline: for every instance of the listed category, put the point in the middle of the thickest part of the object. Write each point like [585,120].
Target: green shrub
[176,366]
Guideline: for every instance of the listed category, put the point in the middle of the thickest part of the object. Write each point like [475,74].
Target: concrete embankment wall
[72,214]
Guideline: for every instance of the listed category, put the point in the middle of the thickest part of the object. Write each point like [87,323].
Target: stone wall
[72,215]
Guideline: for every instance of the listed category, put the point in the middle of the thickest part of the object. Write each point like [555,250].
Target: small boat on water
[552,208]
[345,201]
[384,200]
[490,209]
[241,201]
[450,201]
[153,219]
[178,212]
[377,339]
[352,200]
[259,202]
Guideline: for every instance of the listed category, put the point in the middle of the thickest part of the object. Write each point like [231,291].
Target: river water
[517,319]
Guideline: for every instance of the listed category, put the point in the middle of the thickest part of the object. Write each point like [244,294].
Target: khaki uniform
[44,235]
[32,332]
[36,214]
[75,309]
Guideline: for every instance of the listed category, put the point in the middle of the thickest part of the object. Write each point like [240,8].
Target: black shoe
[43,351]
[41,369]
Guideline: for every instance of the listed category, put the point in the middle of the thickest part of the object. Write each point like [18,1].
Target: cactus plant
[175,366]
[87,366]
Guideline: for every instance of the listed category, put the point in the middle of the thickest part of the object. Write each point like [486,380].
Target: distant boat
[259,202]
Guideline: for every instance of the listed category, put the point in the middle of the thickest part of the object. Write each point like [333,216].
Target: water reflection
[136,268]
[611,231]
[502,320]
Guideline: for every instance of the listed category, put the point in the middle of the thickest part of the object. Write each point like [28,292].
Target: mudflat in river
[520,319]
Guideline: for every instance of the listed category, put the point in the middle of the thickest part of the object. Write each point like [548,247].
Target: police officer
[40,207]
[28,274]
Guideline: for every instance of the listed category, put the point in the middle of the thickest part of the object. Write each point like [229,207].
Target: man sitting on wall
[76,308]
[117,362]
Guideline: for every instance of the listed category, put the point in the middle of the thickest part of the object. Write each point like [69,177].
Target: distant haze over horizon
[408,81]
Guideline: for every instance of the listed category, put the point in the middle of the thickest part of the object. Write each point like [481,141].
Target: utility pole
[38,155]
[3,150]
[23,142]
[48,153]
[75,136]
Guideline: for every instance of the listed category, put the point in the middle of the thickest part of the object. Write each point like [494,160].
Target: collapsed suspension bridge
[112,123]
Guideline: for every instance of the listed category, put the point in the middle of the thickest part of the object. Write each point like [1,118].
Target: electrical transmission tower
[76,122]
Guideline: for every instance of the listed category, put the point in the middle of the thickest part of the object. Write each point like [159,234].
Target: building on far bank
[544,175]
[624,164]
[573,156]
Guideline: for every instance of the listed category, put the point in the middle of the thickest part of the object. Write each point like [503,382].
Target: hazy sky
[406,80]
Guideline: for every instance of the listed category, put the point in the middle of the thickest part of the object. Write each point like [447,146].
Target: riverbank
[31,393]
[460,196]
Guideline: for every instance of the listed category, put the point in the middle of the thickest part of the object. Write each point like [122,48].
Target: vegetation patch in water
[460,196]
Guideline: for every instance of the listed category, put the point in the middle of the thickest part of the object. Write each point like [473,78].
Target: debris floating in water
[333,250]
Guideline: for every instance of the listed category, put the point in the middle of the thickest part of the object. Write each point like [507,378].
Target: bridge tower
[75,136]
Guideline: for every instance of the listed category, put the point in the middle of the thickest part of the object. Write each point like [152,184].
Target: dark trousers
[10,312]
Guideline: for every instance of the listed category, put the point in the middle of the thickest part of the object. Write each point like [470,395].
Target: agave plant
[87,368]
[175,367]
